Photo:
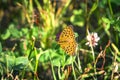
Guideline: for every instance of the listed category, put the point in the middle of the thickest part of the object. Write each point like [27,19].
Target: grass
[29,33]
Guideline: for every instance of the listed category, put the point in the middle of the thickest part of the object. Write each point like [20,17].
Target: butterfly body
[67,40]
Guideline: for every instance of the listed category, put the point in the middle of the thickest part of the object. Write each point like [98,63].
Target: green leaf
[77,18]
[44,56]
[14,31]
[118,58]
[58,58]
[6,35]
[107,21]
[56,62]
[10,61]
[0,47]
[117,25]
[35,32]
[93,8]
[21,62]
[70,60]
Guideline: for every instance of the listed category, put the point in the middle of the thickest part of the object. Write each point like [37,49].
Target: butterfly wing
[69,48]
[67,41]
[67,35]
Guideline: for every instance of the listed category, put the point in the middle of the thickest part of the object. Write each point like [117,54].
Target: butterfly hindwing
[70,48]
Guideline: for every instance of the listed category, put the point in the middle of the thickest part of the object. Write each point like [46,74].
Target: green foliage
[0,47]
[28,45]
[77,18]
[5,35]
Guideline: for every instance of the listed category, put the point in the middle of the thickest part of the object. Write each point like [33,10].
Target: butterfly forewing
[67,41]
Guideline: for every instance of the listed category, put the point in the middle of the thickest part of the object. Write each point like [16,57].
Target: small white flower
[92,39]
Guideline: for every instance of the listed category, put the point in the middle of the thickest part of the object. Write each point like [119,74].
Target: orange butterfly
[67,40]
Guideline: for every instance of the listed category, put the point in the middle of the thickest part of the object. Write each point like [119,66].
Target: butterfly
[67,40]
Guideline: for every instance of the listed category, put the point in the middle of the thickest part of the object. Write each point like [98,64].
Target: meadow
[60,40]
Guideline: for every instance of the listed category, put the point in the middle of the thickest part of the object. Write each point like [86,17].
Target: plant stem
[93,54]
[73,71]
[110,7]
[52,69]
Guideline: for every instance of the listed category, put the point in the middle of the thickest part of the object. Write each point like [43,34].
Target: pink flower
[92,39]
